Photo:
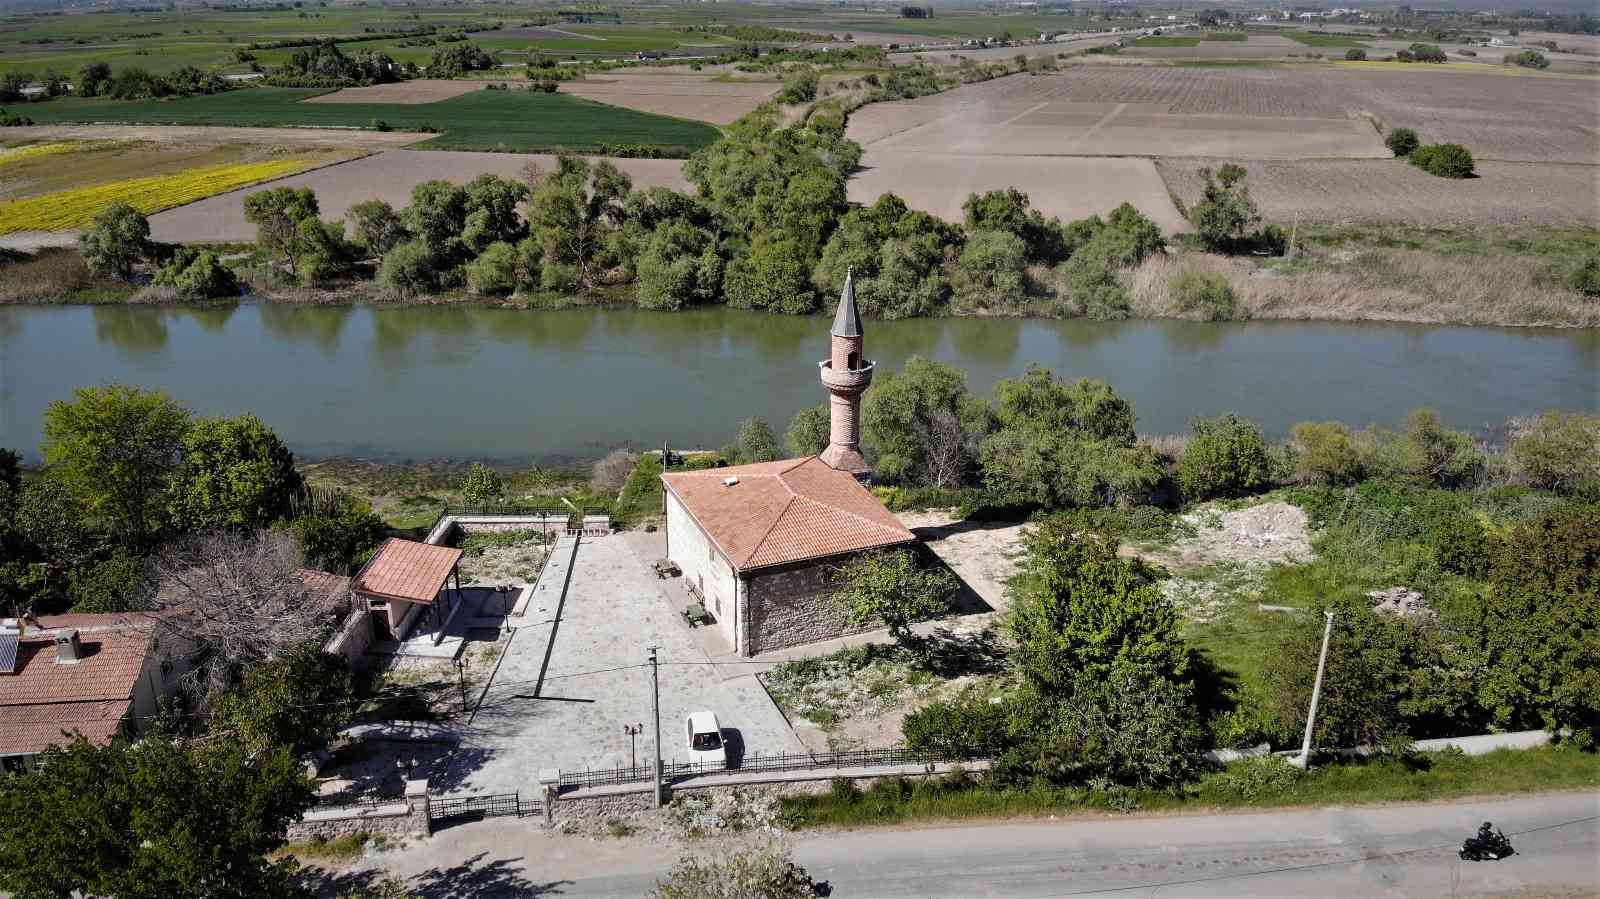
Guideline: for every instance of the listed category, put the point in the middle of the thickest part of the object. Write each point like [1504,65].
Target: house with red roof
[101,676]
[759,544]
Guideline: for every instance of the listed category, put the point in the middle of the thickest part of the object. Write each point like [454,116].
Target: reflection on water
[436,381]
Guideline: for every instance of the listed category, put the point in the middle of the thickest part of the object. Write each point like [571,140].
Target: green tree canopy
[482,485]
[920,424]
[808,433]
[297,700]
[756,442]
[117,240]
[118,449]
[894,587]
[1226,457]
[236,473]
[277,214]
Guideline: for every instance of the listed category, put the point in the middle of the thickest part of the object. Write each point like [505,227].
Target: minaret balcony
[845,379]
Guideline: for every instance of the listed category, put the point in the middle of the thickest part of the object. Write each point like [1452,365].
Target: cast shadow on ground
[474,877]
[948,654]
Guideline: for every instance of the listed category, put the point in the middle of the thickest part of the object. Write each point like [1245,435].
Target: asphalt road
[1401,850]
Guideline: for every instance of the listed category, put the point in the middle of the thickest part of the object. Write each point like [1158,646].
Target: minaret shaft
[846,374]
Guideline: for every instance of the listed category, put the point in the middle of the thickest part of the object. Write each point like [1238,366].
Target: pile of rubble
[1400,601]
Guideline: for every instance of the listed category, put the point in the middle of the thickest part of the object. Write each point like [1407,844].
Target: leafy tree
[906,423]
[160,819]
[573,214]
[992,271]
[198,275]
[897,256]
[94,79]
[1530,59]
[1225,457]
[495,271]
[437,217]
[966,723]
[277,214]
[1560,452]
[121,582]
[1225,213]
[118,449]
[1540,632]
[892,586]
[767,872]
[756,442]
[1089,281]
[1007,210]
[118,240]
[455,60]
[297,700]
[1355,54]
[1078,611]
[799,88]
[1208,295]
[771,276]
[408,268]
[236,473]
[1443,160]
[377,226]
[491,212]
[809,431]
[680,266]
[1326,454]
[1059,444]
[321,251]
[1401,141]
[482,486]
[339,533]
[45,537]
[1427,53]
[1435,454]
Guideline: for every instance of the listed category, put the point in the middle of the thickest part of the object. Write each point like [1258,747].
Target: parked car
[704,737]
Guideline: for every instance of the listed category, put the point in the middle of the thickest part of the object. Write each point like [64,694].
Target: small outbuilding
[406,584]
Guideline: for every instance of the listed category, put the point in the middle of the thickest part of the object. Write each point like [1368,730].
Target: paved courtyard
[574,675]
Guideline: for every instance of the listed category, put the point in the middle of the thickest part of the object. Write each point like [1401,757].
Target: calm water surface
[429,382]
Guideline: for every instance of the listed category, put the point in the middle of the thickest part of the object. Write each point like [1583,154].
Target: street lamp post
[633,731]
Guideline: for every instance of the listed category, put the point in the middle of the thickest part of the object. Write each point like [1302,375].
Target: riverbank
[1508,277]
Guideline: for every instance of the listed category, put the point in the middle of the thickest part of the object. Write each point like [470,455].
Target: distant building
[99,676]
[759,544]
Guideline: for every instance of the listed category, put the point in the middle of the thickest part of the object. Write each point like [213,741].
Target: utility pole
[1303,760]
[655,710]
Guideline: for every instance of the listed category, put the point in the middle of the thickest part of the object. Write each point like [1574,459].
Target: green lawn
[480,120]
[1254,784]
[1323,40]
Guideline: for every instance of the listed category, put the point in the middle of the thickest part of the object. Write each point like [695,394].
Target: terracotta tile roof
[328,590]
[43,698]
[405,569]
[786,511]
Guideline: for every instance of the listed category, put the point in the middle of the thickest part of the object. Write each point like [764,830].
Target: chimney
[69,651]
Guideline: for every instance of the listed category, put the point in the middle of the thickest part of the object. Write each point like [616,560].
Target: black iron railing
[490,805]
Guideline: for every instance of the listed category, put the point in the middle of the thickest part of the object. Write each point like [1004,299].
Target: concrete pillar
[417,798]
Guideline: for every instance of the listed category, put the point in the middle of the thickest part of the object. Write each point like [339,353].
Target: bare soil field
[1357,191]
[387,176]
[421,90]
[213,135]
[686,96]
[1118,111]
[1065,186]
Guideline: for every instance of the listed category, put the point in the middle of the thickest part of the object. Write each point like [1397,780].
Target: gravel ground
[1264,534]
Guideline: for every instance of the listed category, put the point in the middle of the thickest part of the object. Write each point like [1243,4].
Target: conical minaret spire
[846,374]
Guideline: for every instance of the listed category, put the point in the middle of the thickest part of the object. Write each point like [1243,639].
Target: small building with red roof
[101,676]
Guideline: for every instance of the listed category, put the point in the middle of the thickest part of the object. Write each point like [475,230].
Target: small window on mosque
[855,361]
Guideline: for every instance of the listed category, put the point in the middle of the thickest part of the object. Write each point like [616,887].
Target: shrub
[560,277]
[198,275]
[409,268]
[117,241]
[1226,457]
[482,485]
[801,88]
[611,473]
[1529,59]
[1444,160]
[1208,294]
[1355,54]
[495,270]
[1583,274]
[1401,141]
[992,270]
[1560,452]
[1225,213]
[968,723]
[1426,53]
[1326,454]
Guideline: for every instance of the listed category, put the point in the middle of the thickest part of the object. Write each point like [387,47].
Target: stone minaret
[846,374]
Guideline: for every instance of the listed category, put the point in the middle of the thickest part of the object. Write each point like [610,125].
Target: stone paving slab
[571,679]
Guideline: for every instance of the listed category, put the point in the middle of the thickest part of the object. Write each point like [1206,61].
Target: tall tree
[118,449]
[118,239]
[905,424]
[236,474]
[808,432]
[894,587]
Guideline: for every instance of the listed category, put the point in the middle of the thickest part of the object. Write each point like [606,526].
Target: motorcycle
[1490,845]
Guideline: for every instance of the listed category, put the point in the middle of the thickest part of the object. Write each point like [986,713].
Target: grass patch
[1259,783]
[643,495]
[342,849]
[1467,240]
[517,121]
[56,275]
[1313,39]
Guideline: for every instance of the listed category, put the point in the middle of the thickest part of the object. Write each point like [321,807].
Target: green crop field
[480,120]
[1311,39]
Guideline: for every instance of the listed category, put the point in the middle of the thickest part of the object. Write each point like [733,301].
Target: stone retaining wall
[400,818]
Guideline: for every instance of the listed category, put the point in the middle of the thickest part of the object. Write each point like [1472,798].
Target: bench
[696,615]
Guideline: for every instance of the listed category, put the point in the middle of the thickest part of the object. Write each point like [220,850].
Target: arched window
[854,362]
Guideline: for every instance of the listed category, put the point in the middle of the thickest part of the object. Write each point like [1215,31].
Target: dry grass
[1380,285]
[46,278]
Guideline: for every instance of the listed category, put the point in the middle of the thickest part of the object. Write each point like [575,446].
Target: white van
[704,737]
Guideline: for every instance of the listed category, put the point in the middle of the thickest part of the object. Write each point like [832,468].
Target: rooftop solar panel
[8,652]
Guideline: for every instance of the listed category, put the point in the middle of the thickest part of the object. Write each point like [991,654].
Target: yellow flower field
[75,208]
[9,155]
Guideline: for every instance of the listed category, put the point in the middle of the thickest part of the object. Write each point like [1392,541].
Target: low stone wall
[352,639]
[400,818]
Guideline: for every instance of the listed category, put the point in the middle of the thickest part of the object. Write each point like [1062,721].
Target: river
[424,382]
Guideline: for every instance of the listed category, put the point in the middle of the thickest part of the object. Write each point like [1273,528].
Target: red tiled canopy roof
[43,698]
[786,511]
[407,570]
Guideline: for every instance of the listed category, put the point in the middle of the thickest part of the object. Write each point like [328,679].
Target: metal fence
[473,808]
[784,761]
